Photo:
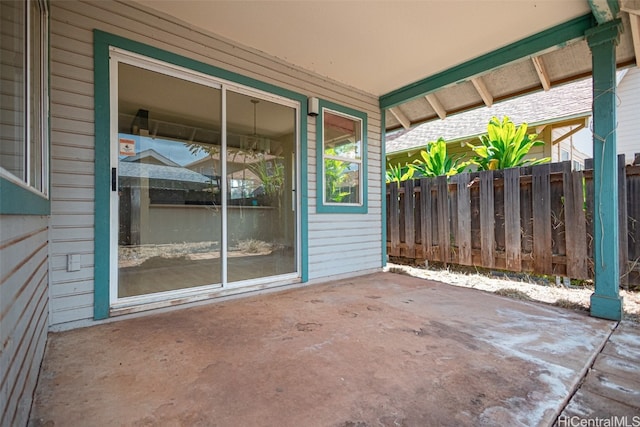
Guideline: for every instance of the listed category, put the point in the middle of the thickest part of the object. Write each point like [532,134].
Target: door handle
[114,179]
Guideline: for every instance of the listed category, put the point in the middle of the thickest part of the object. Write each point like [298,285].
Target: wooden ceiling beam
[401,117]
[483,91]
[635,34]
[435,103]
[568,134]
[541,69]
[633,9]
[604,10]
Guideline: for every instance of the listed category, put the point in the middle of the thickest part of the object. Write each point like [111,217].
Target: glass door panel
[169,188]
[260,174]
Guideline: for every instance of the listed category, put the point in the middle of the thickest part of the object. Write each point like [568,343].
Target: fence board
[443,218]
[541,191]
[487,219]
[512,219]
[402,215]
[558,214]
[476,229]
[394,210]
[574,224]
[453,222]
[623,248]
[577,261]
[498,195]
[464,219]
[633,223]
[589,190]
[409,224]
[425,215]
[417,195]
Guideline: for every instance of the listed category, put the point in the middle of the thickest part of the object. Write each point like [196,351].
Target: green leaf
[435,161]
[504,145]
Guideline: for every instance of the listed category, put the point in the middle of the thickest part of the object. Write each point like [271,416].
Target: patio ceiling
[404,52]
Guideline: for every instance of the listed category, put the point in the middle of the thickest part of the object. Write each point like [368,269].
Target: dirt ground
[521,287]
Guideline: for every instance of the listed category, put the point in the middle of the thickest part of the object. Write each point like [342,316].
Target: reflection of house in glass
[167,181]
[149,178]
[247,172]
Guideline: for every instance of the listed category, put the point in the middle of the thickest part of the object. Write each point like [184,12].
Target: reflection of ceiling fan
[142,124]
[255,142]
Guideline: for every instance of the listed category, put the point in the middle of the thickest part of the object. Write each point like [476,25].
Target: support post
[605,301]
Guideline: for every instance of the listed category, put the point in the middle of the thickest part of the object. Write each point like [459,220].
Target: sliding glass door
[261,216]
[203,183]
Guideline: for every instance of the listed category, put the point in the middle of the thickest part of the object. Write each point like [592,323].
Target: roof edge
[555,36]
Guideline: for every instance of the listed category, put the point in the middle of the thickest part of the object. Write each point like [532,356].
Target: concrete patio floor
[378,350]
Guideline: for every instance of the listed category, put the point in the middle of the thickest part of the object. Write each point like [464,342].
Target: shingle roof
[569,100]
[153,154]
[166,177]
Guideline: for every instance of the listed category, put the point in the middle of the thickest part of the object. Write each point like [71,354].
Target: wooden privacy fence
[535,219]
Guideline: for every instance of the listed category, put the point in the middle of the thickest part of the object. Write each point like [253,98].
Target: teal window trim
[20,199]
[321,206]
[17,200]
[556,36]
[102,42]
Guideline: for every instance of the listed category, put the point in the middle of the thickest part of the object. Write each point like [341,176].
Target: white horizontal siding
[24,245]
[346,243]
[73,144]
[23,312]
[628,115]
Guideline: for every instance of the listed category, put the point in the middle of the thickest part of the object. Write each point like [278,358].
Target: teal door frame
[102,249]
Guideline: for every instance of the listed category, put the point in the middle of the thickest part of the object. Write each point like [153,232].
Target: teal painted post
[605,301]
[102,179]
[383,168]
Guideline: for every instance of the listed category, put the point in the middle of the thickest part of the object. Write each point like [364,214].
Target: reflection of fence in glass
[535,219]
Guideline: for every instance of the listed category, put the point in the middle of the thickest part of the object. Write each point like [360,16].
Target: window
[564,155]
[341,159]
[24,102]
[577,166]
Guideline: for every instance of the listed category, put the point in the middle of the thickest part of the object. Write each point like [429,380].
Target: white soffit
[374,46]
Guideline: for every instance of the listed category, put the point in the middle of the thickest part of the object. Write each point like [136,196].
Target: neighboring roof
[562,102]
[150,153]
[166,177]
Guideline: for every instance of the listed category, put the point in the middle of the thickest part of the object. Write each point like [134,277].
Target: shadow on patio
[377,350]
